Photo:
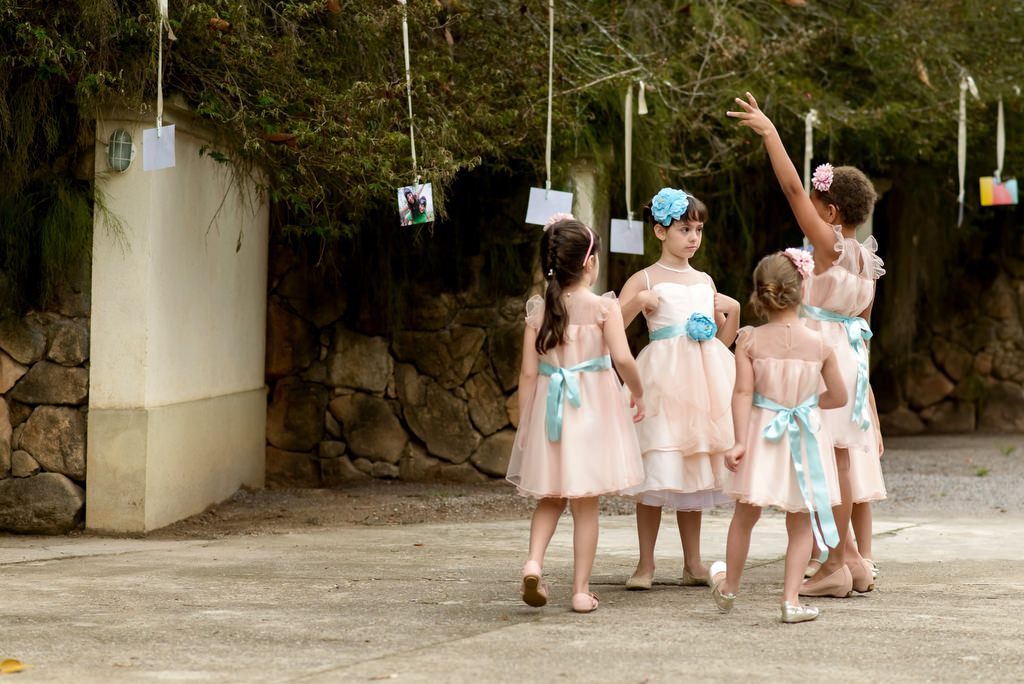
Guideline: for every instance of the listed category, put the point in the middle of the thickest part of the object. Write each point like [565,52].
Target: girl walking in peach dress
[576,439]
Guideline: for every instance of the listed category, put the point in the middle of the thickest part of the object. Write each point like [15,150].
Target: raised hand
[752,117]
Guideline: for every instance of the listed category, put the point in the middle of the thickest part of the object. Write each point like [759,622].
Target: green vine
[313,94]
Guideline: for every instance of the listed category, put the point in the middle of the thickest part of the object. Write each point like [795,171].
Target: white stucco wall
[177,405]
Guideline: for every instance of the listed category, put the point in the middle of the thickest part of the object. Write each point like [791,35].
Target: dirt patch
[276,511]
[974,473]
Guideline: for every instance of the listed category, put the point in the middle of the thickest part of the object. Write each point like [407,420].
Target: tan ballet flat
[694,581]
[639,582]
[837,585]
[863,581]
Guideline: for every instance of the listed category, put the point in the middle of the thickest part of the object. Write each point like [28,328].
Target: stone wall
[434,401]
[967,371]
[44,390]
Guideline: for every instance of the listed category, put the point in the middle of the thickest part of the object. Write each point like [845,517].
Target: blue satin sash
[796,421]
[565,385]
[668,332]
[858,332]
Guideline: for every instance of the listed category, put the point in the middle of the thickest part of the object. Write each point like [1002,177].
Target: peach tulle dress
[847,288]
[688,397]
[597,451]
[787,361]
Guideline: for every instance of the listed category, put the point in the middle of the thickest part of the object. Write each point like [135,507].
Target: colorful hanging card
[994,193]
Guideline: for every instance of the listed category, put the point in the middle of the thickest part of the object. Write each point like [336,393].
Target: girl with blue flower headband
[575,439]
[687,371]
[838,297]
[783,455]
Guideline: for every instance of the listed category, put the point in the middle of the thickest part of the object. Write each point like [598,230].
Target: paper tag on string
[416,204]
[995,193]
[158,148]
[544,203]
[627,237]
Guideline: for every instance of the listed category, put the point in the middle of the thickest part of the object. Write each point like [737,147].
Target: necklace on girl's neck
[674,270]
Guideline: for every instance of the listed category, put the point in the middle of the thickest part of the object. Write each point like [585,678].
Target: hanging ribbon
[858,332]
[164,24]
[810,121]
[408,87]
[551,81]
[629,152]
[966,83]
[641,109]
[1000,142]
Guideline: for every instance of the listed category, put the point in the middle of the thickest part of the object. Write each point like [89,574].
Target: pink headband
[590,247]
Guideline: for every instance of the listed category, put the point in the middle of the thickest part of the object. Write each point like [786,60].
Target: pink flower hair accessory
[802,260]
[822,178]
[558,216]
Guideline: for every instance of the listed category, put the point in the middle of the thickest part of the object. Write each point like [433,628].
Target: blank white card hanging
[544,201]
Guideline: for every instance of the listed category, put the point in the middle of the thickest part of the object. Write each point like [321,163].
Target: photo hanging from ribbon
[627,235]
[158,143]
[994,190]
[544,201]
[415,202]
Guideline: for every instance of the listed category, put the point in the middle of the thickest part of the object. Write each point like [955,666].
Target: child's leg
[689,534]
[584,542]
[862,525]
[798,525]
[542,528]
[837,556]
[814,563]
[648,522]
[738,545]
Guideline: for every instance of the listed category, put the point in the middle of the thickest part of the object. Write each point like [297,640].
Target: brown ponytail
[563,249]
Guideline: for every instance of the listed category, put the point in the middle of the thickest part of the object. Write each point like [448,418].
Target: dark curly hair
[852,194]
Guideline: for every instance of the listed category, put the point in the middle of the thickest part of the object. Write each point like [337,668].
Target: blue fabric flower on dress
[669,205]
[700,328]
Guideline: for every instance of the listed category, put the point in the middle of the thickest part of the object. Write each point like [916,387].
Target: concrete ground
[439,602]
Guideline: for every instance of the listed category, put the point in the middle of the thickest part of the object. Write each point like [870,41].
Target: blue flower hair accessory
[700,328]
[669,205]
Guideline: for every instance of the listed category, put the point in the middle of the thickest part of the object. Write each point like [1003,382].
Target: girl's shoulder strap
[647,278]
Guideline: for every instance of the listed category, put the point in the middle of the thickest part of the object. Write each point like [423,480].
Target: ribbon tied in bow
[795,422]
[565,386]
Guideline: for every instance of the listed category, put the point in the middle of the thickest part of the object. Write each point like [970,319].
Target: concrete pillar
[592,205]
[177,402]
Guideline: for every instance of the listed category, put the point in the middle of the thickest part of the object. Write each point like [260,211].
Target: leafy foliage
[313,93]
